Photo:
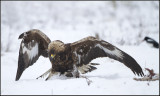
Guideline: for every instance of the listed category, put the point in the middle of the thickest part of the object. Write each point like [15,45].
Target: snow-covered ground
[111,77]
[124,24]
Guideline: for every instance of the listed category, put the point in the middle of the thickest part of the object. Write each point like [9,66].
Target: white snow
[111,77]
[121,23]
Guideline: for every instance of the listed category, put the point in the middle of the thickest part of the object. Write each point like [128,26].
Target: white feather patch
[25,34]
[149,40]
[78,56]
[114,52]
[31,51]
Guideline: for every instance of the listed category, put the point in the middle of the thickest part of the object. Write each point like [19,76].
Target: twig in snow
[150,77]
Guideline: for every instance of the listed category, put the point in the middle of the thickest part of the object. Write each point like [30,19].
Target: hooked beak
[53,55]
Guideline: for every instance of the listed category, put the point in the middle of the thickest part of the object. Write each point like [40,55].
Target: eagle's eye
[53,55]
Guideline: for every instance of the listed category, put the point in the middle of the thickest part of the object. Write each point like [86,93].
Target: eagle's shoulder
[34,34]
[89,38]
[40,34]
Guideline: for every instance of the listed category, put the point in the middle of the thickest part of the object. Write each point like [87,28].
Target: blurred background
[118,22]
[122,23]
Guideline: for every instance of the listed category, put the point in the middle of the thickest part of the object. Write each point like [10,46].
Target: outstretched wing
[34,43]
[90,48]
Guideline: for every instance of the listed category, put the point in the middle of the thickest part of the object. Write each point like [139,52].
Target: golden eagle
[69,59]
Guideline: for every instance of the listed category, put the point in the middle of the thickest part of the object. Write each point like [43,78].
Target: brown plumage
[72,58]
[34,44]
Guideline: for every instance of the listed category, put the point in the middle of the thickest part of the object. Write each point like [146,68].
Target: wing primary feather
[21,66]
[90,48]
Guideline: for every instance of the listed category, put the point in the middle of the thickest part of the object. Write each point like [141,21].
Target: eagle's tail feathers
[86,68]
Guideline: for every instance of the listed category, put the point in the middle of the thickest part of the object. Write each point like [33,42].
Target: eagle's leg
[44,73]
[51,74]
[75,72]
[77,75]
[88,81]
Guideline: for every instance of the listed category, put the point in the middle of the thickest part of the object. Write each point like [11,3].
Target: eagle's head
[54,48]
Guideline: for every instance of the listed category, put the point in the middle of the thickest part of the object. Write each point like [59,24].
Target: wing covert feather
[90,48]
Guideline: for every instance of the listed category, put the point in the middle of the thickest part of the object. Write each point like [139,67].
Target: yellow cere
[53,55]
